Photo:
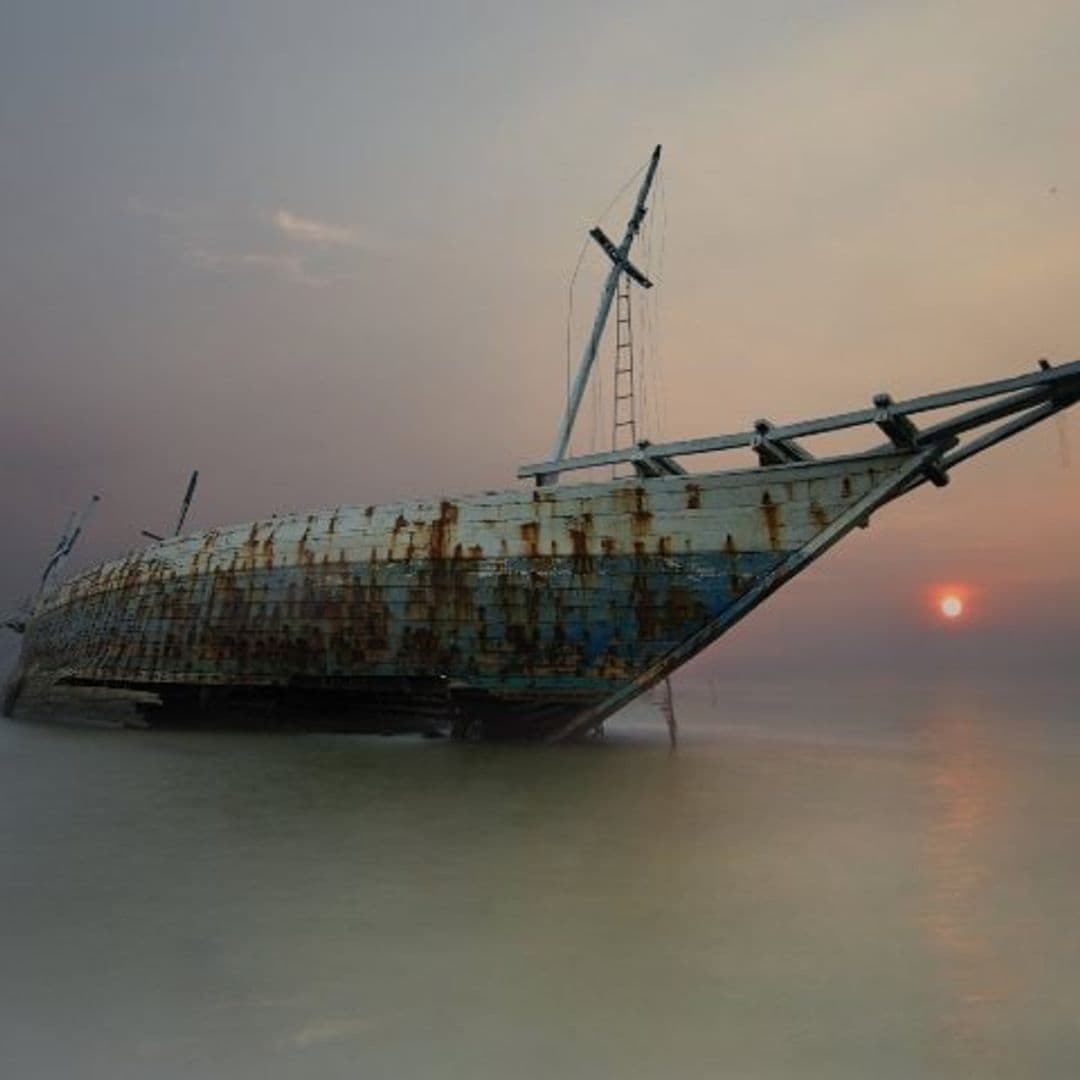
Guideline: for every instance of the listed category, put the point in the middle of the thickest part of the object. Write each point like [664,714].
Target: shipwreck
[530,613]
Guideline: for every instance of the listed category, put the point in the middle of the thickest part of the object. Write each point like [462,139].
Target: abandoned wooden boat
[535,612]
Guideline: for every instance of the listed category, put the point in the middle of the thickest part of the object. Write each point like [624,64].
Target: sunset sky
[321,252]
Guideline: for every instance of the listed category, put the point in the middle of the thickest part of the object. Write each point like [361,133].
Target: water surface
[819,882]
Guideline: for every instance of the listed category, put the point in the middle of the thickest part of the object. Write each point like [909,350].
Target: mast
[186,504]
[620,264]
[76,524]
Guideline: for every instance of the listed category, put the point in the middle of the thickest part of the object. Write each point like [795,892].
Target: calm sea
[819,882]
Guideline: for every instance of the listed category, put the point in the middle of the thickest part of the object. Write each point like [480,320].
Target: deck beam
[1058,383]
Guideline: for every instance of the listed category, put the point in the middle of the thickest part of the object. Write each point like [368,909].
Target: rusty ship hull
[508,613]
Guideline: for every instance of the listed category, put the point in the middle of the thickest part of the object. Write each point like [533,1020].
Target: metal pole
[588,357]
[186,505]
[66,543]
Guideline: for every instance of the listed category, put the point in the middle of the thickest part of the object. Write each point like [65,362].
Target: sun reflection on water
[967,798]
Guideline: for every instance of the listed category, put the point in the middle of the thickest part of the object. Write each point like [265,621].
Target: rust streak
[732,552]
[582,560]
[771,512]
[530,537]
[441,528]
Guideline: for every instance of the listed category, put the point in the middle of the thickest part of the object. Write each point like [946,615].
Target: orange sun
[951,606]
[950,602]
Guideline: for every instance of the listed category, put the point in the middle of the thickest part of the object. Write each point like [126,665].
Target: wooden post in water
[667,707]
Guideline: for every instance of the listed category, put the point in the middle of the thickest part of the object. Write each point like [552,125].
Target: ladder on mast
[624,409]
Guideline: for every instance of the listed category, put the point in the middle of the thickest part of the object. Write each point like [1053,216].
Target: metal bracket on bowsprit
[619,259]
[773,450]
[904,435]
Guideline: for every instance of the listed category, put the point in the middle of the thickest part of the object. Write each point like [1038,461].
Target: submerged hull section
[515,610]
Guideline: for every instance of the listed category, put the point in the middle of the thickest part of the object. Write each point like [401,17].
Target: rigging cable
[656,368]
[577,269]
[641,368]
[645,372]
